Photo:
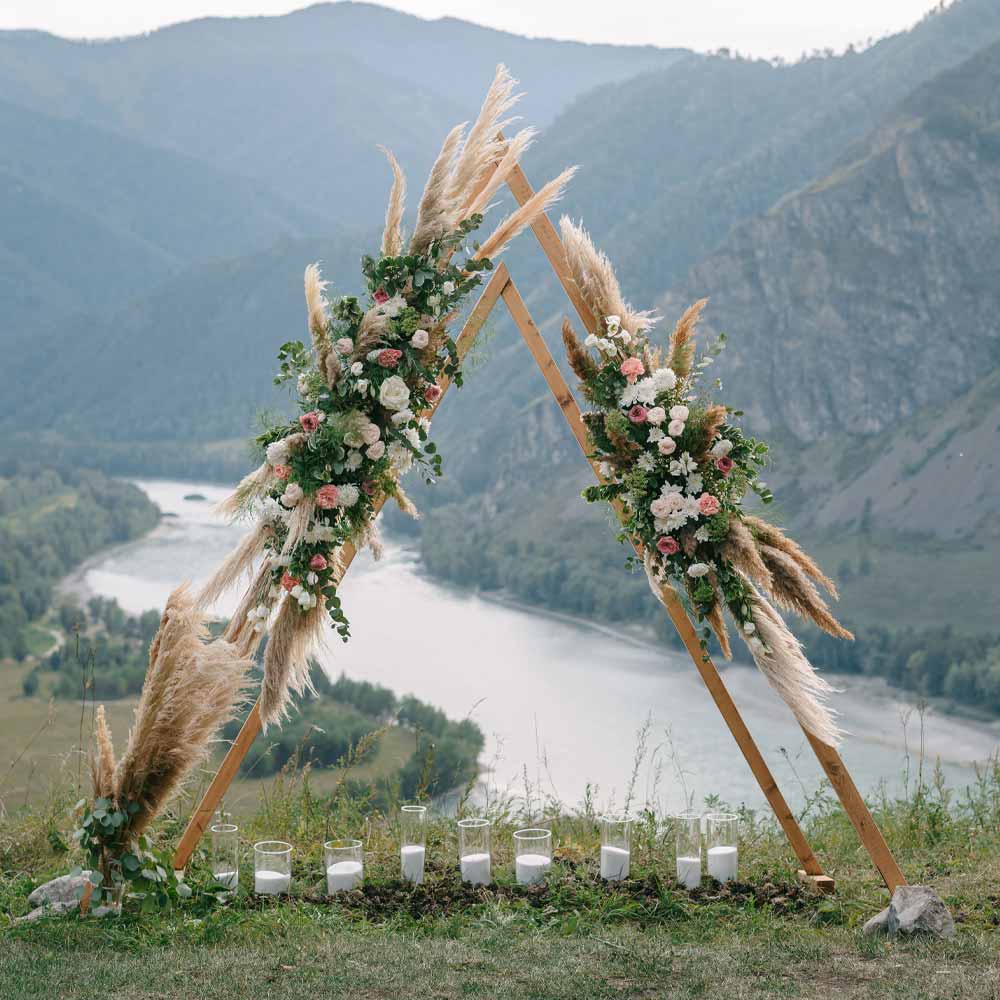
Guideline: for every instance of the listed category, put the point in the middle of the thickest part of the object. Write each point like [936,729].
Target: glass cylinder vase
[532,855]
[616,833]
[474,851]
[688,844]
[721,848]
[272,867]
[345,866]
[225,854]
[412,842]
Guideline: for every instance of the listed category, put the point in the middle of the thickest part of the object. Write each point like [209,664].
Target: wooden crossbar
[502,286]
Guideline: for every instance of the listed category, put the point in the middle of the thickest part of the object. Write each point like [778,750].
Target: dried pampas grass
[781,660]
[392,235]
[239,562]
[434,213]
[251,487]
[793,591]
[294,636]
[741,550]
[527,215]
[766,533]
[516,148]
[192,689]
[594,275]
[102,760]
[680,355]
[583,365]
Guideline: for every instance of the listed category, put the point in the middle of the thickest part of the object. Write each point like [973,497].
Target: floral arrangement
[366,388]
[679,467]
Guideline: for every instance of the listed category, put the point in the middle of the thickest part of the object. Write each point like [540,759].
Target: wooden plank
[858,813]
[707,669]
[822,885]
[251,728]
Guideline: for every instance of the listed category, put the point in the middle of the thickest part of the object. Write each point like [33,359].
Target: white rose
[344,346]
[362,385]
[721,448]
[698,569]
[376,451]
[394,394]
[370,433]
[420,339]
[675,428]
[292,495]
[348,495]
[448,287]
[679,412]
[357,368]
[667,446]
[302,384]
[353,460]
[277,453]
[402,417]
[353,439]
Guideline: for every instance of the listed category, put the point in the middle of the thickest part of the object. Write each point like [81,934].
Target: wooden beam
[251,727]
[709,674]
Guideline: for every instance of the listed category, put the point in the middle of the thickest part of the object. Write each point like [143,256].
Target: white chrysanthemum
[664,378]
[412,436]
[655,434]
[695,483]
[721,448]
[353,460]
[347,495]
[646,462]
[696,570]
[402,417]
[353,439]
[701,535]
[392,307]
[646,391]
[448,287]
[277,452]
[344,346]
[400,456]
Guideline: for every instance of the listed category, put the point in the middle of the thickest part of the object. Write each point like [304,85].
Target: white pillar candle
[722,863]
[531,868]
[231,880]
[689,871]
[412,862]
[476,869]
[614,863]
[271,883]
[342,875]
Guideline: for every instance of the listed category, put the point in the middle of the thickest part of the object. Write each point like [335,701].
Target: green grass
[575,937]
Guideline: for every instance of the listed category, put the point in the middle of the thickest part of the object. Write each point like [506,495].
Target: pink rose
[432,393]
[660,507]
[389,358]
[309,421]
[656,415]
[375,451]
[637,414]
[667,545]
[370,433]
[666,446]
[381,296]
[288,581]
[708,504]
[282,472]
[368,488]
[724,464]
[632,368]
[326,496]
[317,562]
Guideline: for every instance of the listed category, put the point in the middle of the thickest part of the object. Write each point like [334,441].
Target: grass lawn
[575,937]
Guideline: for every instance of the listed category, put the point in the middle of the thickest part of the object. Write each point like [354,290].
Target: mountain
[875,291]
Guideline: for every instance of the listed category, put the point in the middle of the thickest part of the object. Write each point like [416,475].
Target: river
[561,702]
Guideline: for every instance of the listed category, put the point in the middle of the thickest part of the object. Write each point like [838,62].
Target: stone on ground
[914,909]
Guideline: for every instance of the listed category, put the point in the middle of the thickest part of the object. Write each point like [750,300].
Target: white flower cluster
[306,599]
[258,617]
[672,509]
[645,390]
[615,331]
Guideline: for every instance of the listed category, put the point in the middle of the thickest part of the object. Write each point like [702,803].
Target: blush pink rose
[282,472]
[432,393]
[632,368]
[288,581]
[708,504]
[666,446]
[326,496]
[660,507]
[667,545]
[724,465]
[637,414]
[389,358]
[368,488]
[317,562]
[381,296]
[309,421]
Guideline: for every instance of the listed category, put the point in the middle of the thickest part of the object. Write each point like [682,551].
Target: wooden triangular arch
[501,286]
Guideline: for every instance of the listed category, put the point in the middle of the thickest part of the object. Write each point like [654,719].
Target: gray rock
[879,924]
[48,910]
[918,909]
[64,889]
[914,909]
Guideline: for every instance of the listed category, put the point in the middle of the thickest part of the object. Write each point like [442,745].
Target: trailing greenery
[50,521]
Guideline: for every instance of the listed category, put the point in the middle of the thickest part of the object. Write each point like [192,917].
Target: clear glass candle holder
[474,851]
[345,865]
[412,842]
[688,841]
[721,851]
[532,855]
[272,867]
[225,854]
[616,831]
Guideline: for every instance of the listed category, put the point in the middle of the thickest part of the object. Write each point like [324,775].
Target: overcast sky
[760,27]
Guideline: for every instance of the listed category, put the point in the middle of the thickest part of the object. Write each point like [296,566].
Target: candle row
[344,859]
